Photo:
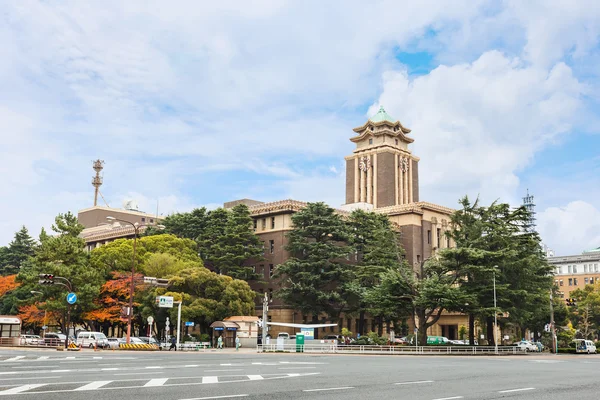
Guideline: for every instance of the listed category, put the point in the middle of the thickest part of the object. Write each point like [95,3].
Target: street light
[136,228]
[495,315]
[34,292]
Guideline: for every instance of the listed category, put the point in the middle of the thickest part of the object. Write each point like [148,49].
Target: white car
[525,345]
[92,339]
[30,339]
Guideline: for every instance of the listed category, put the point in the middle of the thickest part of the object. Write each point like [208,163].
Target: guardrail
[391,350]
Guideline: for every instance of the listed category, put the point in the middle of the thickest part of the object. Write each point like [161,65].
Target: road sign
[150,319]
[165,301]
[71,298]
[189,323]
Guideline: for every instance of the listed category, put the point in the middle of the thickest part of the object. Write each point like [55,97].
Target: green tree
[64,255]
[18,252]
[585,314]
[237,246]
[189,225]
[161,265]
[210,240]
[313,278]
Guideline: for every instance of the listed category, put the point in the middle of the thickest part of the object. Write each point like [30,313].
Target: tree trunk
[471,330]
[490,330]
[422,333]
[361,323]
[380,326]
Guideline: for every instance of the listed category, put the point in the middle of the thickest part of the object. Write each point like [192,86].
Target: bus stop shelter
[225,329]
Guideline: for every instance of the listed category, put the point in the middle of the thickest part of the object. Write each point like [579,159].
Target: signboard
[218,329]
[189,323]
[309,333]
[231,328]
[280,343]
[9,320]
[165,301]
[71,298]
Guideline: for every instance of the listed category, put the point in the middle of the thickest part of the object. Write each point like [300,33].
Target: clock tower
[382,171]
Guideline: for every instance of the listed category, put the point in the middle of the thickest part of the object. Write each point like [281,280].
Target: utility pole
[552,327]
[264,320]
[495,318]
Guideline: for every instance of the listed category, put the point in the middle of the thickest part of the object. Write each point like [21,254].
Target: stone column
[410,181]
[362,186]
[369,181]
[397,184]
[405,191]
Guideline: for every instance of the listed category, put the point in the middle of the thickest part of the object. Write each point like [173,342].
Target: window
[575,281]
[585,268]
[264,223]
[570,281]
[396,142]
[595,267]
[151,220]
[448,242]
[556,282]
[574,269]
[262,268]
[428,237]
[271,270]
[272,222]
[271,246]
[270,294]
[254,269]
[591,280]
[143,219]
[418,258]
[370,141]
[586,280]
[570,269]
[439,235]
[561,282]
[255,224]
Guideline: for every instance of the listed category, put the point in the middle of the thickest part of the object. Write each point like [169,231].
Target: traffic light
[46,279]
[571,302]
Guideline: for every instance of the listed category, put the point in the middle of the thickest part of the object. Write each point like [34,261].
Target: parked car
[584,346]
[134,340]
[92,339]
[437,340]
[525,345]
[54,339]
[400,341]
[30,339]
[113,342]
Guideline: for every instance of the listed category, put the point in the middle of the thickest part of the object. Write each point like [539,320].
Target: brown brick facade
[415,178]
[386,191]
[350,173]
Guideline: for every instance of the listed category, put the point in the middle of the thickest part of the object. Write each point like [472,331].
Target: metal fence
[391,350]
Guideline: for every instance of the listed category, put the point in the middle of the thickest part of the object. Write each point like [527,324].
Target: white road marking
[43,358]
[225,364]
[60,370]
[191,366]
[109,369]
[137,373]
[21,379]
[154,367]
[222,370]
[283,368]
[20,389]
[325,389]
[515,390]
[412,383]
[255,377]
[93,385]
[218,397]
[156,382]
[17,358]
[546,361]
[449,398]
[210,379]
[69,358]
[96,358]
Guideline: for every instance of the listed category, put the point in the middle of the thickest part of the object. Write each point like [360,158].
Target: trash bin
[299,343]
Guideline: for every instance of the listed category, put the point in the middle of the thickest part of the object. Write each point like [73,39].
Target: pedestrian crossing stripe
[151,383]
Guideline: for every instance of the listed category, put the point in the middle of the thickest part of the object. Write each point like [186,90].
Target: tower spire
[97,180]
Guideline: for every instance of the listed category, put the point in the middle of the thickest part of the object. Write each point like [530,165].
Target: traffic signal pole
[552,327]
[264,321]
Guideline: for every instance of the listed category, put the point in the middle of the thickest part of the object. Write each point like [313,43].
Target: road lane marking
[412,383]
[255,377]
[210,379]
[284,368]
[218,397]
[20,389]
[109,369]
[325,389]
[156,382]
[17,358]
[191,366]
[43,358]
[21,379]
[154,367]
[222,370]
[450,398]
[515,390]
[138,373]
[93,385]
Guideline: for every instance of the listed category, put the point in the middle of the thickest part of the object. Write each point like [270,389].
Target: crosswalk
[61,387]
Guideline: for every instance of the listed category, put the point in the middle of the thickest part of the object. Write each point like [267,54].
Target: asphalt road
[53,375]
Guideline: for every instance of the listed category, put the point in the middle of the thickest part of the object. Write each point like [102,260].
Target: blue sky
[195,103]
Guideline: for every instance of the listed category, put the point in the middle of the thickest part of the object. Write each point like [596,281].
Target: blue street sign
[71,298]
[189,323]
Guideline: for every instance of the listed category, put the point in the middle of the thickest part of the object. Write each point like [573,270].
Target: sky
[194,103]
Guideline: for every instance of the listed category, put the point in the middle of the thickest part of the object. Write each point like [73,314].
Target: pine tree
[239,245]
[314,277]
[19,251]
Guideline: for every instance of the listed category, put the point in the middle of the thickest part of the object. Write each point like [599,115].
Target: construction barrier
[73,347]
[131,346]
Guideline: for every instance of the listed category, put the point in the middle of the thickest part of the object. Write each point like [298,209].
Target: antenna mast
[97,180]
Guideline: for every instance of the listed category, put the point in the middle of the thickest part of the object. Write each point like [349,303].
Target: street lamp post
[34,292]
[136,228]
[495,315]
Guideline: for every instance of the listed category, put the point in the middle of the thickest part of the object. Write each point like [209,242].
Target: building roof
[382,116]
[597,249]
[224,324]
[241,318]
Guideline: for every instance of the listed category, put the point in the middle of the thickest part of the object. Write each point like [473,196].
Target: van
[92,339]
[584,346]
[437,340]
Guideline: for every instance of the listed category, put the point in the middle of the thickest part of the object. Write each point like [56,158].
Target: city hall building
[382,175]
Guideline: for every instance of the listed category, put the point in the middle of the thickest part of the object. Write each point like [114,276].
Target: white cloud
[570,229]
[477,125]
